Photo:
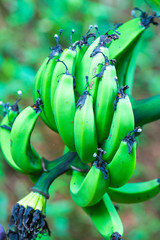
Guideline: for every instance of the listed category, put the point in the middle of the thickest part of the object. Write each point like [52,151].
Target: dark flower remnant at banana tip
[28,218]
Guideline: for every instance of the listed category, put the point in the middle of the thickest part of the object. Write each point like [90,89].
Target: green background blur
[27,28]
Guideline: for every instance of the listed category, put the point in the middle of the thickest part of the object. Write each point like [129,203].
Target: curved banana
[64,109]
[83,69]
[38,77]
[42,83]
[22,152]
[88,189]
[104,107]
[129,32]
[5,133]
[100,44]
[122,123]
[100,58]
[135,192]
[122,166]
[68,56]
[45,90]
[85,129]
[106,219]
[82,46]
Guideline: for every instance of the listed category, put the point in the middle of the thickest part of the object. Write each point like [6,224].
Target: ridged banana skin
[37,80]
[5,140]
[64,110]
[104,108]
[68,56]
[37,85]
[85,131]
[135,192]
[45,91]
[80,54]
[122,124]
[95,69]
[122,166]
[88,189]
[129,31]
[84,67]
[105,217]
[22,152]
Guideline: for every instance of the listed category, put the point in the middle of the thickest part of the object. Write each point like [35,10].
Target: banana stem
[146,110]
[56,168]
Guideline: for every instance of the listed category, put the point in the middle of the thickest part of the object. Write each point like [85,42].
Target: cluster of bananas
[81,93]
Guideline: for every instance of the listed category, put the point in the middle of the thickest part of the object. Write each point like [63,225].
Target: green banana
[37,80]
[129,32]
[104,109]
[88,189]
[135,192]
[5,133]
[68,56]
[64,108]
[122,166]
[106,219]
[45,90]
[85,128]
[22,152]
[82,46]
[100,58]
[122,123]
[42,83]
[102,42]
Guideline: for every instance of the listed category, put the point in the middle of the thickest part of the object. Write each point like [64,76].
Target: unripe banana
[42,83]
[82,46]
[100,58]
[129,32]
[135,192]
[45,91]
[85,129]
[106,219]
[122,123]
[88,189]
[64,109]
[5,133]
[22,152]
[100,44]
[104,107]
[123,163]
[69,58]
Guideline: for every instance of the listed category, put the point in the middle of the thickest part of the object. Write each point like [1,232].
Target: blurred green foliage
[27,28]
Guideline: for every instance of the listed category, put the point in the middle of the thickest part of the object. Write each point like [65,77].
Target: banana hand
[22,152]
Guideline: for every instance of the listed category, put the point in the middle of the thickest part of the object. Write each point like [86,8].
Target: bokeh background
[27,28]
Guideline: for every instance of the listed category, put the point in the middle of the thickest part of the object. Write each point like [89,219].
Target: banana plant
[84,93]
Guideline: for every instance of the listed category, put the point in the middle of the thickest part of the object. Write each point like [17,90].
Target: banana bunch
[81,93]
